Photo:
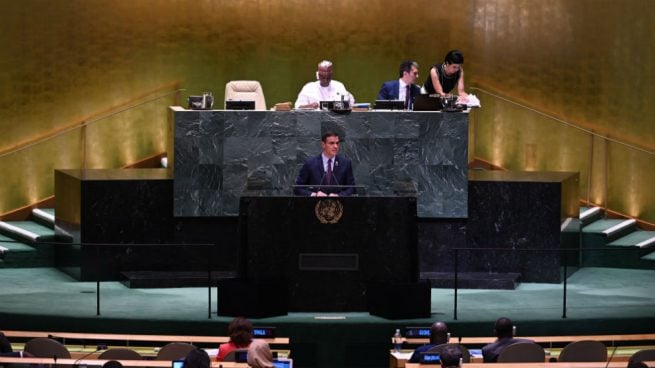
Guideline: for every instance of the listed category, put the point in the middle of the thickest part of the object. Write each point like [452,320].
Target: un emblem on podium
[328,211]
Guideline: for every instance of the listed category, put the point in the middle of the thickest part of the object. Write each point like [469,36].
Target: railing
[123,134]
[561,252]
[599,157]
[129,105]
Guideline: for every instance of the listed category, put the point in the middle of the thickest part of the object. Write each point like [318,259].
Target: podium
[325,253]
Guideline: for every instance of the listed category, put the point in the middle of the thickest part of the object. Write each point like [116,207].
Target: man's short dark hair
[454,57]
[406,66]
[329,133]
[450,356]
[504,327]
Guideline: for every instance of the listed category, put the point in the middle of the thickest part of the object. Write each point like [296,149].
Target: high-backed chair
[523,352]
[43,347]
[466,356]
[174,351]
[247,90]
[584,351]
[231,356]
[120,354]
[646,355]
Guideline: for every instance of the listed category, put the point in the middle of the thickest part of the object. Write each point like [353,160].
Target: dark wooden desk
[329,266]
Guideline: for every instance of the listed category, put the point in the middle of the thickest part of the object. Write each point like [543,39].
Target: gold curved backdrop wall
[70,62]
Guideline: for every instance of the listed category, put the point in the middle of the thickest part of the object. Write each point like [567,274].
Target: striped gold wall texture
[585,62]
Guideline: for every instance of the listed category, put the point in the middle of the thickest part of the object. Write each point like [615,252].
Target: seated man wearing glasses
[323,89]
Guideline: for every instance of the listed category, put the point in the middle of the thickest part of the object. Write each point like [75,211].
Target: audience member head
[240,331]
[330,142]
[454,57]
[324,73]
[451,356]
[504,328]
[439,333]
[112,364]
[453,62]
[197,358]
[259,355]
[636,364]
[408,71]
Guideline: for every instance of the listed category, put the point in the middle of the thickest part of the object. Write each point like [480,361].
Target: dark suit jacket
[313,173]
[389,91]
[490,352]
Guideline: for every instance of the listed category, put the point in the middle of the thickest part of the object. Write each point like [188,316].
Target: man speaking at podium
[328,174]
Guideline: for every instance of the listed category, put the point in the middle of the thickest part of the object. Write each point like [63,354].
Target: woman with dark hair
[197,358]
[447,75]
[240,332]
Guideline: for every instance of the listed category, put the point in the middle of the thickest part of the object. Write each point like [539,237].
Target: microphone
[98,348]
[336,164]
[611,356]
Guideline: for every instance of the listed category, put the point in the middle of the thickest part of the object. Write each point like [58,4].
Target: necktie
[407,97]
[329,172]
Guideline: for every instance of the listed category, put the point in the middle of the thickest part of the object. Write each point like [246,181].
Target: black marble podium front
[327,251]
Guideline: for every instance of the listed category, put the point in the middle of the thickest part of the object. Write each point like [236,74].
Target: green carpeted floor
[600,301]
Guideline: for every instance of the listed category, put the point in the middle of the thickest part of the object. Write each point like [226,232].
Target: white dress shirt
[314,92]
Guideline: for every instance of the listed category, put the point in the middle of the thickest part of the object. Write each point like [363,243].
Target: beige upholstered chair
[245,90]
[643,355]
[523,352]
[174,351]
[584,351]
[120,354]
[43,347]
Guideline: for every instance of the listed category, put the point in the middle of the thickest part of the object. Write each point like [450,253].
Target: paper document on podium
[472,101]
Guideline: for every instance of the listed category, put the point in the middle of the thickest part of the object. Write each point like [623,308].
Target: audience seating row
[43,362]
[44,345]
[127,338]
[613,340]
[582,351]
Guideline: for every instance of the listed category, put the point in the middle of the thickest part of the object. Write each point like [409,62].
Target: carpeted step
[639,238]
[20,255]
[28,231]
[44,216]
[590,214]
[611,229]
[642,243]
[617,240]
[473,280]
[172,279]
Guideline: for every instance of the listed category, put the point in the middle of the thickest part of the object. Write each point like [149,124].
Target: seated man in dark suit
[325,170]
[7,351]
[402,89]
[504,331]
[438,335]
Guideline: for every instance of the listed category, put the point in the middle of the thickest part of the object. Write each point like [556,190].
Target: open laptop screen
[283,363]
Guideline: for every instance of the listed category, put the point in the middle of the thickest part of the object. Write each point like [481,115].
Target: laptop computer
[283,363]
[427,103]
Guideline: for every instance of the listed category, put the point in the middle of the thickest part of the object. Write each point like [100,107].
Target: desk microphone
[611,356]
[98,348]
[336,164]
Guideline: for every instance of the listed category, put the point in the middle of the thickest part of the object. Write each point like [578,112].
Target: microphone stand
[98,348]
